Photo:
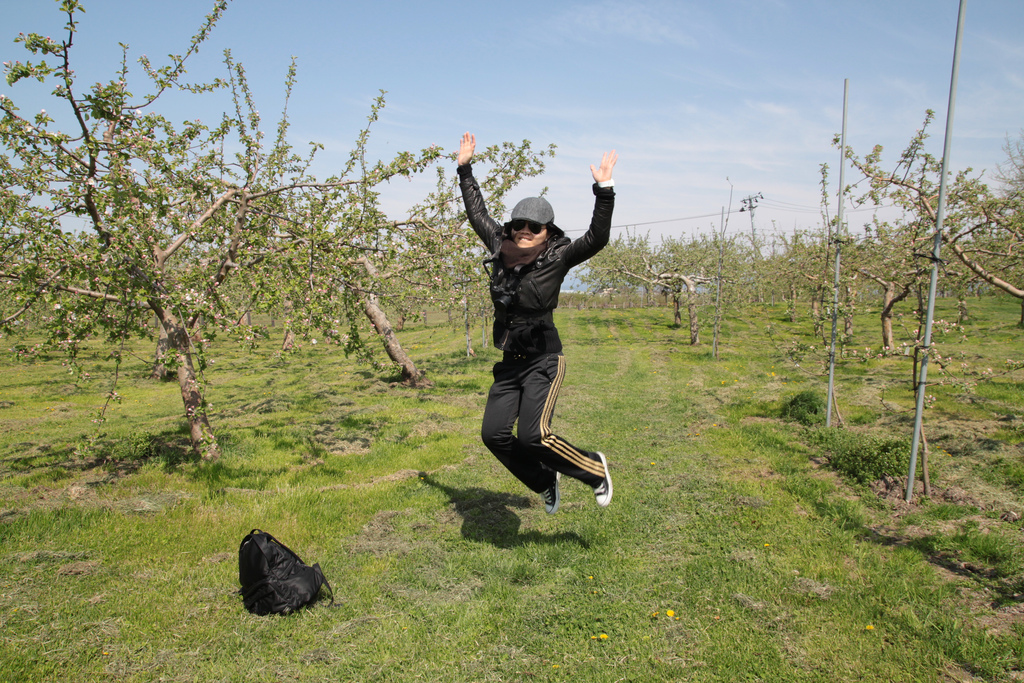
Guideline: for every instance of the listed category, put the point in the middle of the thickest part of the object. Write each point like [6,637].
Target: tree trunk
[851,296]
[163,345]
[201,435]
[677,315]
[410,375]
[816,315]
[962,314]
[886,317]
[889,300]
[691,308]
[289,340]
[469,339]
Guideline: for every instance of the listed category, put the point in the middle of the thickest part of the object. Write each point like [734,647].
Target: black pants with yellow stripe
[527,390]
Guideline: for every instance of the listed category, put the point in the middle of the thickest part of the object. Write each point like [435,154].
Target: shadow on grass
[487,517]
[981,558]
[999,576]
[120,455]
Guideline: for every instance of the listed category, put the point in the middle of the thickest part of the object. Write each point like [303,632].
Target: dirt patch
[338,445]
[1004,621]
[433,424]
[82,568]
[955,494]
[150,503]
[893,492]
[819,590]
[379,536]
[439,591]
[957,674]
[448,517]
[83,494]
[744,556]
[749,602]
[353,625]
[396,476]
[40,556]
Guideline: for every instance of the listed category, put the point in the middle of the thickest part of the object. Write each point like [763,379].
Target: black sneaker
[603,491]
[552,496]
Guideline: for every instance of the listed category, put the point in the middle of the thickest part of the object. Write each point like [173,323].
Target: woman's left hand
[604,173]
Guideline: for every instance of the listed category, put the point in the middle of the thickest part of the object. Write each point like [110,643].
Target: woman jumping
[530,257]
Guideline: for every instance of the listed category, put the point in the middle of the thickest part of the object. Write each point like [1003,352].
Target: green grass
[120,549]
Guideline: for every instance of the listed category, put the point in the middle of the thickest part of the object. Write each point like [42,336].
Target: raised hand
[467,145]
[607,164]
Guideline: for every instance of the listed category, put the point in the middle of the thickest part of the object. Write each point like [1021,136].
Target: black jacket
[527,328]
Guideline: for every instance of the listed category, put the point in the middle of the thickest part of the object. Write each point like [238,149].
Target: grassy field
[732,551]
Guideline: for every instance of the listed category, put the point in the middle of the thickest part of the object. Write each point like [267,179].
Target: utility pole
[749,204]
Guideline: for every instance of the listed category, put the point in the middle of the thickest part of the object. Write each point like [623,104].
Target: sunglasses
[535,228]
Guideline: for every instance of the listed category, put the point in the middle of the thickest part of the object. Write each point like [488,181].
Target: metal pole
[835,285]
[936,246]
[718,292]
[469,339]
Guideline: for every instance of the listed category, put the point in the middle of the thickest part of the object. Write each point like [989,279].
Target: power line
[673,220]
[665,220]
[766,203]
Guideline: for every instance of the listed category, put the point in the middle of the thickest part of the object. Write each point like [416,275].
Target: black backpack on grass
[274,579]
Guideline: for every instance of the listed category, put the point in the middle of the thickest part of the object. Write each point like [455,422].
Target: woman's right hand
[466,148]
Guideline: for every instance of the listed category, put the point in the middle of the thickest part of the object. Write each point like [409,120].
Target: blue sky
[689,93]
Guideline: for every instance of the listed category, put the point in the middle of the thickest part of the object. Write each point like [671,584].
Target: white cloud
[643,22]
